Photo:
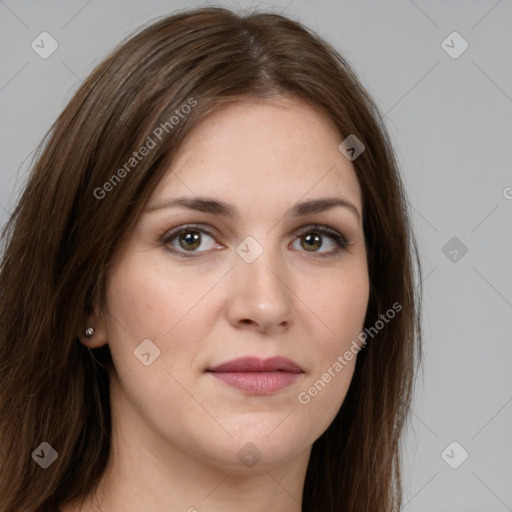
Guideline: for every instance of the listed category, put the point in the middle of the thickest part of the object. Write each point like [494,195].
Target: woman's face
[252,278]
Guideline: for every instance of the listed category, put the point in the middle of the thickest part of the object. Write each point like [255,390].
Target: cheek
[341,306]
[147,299]
[144,303]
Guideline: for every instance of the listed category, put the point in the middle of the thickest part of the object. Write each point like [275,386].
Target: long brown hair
[62,236]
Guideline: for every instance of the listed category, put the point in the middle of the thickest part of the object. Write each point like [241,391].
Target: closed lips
[255,364]
[255,376]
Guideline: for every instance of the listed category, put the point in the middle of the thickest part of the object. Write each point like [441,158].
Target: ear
[96,321]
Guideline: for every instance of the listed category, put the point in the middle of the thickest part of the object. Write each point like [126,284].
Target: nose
[260,295]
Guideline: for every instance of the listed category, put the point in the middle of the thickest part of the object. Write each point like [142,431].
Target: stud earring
[89,332]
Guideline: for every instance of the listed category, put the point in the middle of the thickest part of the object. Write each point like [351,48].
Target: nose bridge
[260,292]
[262,263]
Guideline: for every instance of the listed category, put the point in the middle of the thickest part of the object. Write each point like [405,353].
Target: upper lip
[256,364]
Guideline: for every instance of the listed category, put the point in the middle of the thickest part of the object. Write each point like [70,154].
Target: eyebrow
[215,207]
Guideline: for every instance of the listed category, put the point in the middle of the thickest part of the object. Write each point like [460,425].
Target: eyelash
[339,240]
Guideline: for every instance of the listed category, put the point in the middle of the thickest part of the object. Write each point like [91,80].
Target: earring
[89,332]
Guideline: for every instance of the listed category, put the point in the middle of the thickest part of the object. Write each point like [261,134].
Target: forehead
[266,153]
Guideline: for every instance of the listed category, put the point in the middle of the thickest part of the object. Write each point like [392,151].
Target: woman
[207,290]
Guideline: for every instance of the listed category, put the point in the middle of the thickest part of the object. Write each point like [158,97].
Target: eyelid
[183,227]
[169,235]
[322,228]
[337,237]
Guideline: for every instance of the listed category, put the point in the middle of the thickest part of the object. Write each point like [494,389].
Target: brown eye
[188,239]
[313,238]
[311,242]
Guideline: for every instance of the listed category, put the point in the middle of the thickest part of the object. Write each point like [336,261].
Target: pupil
[315,239]
[190,238]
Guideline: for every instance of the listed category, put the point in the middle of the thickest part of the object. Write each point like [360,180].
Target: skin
[176,428]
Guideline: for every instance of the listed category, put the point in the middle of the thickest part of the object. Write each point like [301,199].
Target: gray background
[450,121]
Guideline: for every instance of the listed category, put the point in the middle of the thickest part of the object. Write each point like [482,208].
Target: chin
[253,448]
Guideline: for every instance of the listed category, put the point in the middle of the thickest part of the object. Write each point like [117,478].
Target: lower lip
[258,383]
